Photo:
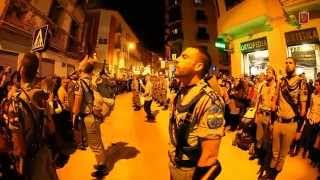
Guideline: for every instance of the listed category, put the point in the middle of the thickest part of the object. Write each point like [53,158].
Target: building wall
[113,27]
[43,6]
[277,46]
[103,31]
[190,29]
[37,12]
[241,13]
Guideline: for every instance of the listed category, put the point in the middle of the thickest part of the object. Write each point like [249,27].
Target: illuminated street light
[131,45]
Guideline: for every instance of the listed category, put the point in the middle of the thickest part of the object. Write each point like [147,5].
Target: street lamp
[131,45]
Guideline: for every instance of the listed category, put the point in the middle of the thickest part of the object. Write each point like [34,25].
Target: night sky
[146,17]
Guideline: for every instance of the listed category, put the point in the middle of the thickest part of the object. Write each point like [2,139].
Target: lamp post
[131,45]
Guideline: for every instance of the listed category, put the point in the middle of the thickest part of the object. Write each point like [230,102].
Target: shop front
[255,56]
[303,46]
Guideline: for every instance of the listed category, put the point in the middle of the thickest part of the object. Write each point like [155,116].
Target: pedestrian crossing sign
[39,39]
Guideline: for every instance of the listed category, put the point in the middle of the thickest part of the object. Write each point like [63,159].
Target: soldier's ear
[198,67]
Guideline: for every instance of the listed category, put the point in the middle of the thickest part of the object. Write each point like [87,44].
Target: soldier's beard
[289,72]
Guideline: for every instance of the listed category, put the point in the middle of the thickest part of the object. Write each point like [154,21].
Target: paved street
[138,150]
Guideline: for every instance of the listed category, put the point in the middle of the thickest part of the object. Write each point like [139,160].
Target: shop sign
[303,17]
[39,39]
[304,55]
[257,44]
[306,36]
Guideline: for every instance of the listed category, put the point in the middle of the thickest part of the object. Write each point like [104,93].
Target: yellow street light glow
[131,45]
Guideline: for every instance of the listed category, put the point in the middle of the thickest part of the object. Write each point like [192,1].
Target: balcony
[247,18]
[294,6]
[20,19]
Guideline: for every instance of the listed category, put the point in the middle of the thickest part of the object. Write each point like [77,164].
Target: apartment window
[75,29]
[55,11]
[232,3]
[174,14]
[201,16]
[176,32]
[202,34]
[174,2]
[198,2]
[74,40]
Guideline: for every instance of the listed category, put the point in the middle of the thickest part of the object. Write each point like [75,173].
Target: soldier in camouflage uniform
[197,123]
[291,107]
[84,116]
[30,125]
[135,93]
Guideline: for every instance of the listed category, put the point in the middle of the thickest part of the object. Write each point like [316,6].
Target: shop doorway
[308,59]
[255,62]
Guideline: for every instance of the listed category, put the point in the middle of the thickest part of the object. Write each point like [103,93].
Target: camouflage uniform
[92,126]
[35,127]
[135,93]
[285,126]
[202,112]
[266,98]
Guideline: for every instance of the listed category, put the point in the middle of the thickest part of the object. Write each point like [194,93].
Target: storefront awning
[256,25]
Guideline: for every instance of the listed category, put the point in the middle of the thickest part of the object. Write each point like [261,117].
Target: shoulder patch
[215,118]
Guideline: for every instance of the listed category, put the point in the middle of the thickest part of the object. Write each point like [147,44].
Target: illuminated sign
[303,17]
[254,45]
[306,36]
[39,39]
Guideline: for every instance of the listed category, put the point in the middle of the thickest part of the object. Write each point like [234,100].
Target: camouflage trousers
[94,138]
[180,173]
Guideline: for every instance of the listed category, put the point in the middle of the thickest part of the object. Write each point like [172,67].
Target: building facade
[271,32]
[66,20]
[192,23]
[116,44]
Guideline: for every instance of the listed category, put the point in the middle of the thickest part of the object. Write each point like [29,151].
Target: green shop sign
[257,44]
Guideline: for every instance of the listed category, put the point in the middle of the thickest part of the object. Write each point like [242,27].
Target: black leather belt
[283,120]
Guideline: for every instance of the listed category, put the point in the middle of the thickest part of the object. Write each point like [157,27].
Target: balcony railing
[287,3]
[23,18]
